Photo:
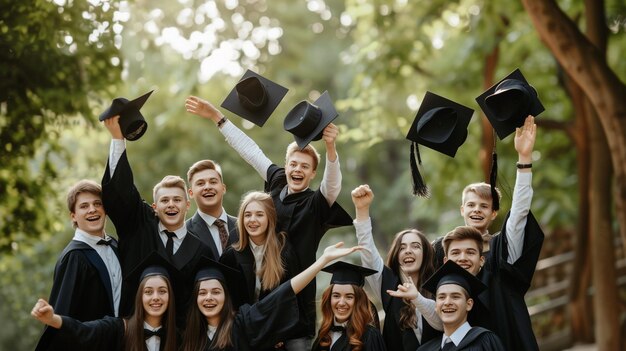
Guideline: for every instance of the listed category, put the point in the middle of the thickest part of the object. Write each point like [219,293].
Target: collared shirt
[153,343]
[335,335]
[458,335]
[110,260]
[211,332]
[215,233]
[258,251]
[180,235]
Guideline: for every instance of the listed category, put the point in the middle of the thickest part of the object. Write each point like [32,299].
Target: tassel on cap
[493,175]
[419,187]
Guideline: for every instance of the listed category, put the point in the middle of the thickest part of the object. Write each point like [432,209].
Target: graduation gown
[501,308]
[137,229]
[199,228]
[372,341]
[305,217]
[81,289]
[262,325]
[476,339]
[396,338]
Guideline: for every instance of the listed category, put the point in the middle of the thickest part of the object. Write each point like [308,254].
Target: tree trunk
[586,64]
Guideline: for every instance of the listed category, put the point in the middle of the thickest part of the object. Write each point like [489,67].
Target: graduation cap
[507,103]
[348,273]
[307,121]
[208,269]
[254,98]
[153,264]
[452,273]
[132,122]
[440,124]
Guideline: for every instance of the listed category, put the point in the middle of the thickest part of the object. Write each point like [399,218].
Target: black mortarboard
[440,124]
[153,264]
[307,121]
[348,273]
[254,98]
[208,268]
[452,273]
[508,102]
[132,122]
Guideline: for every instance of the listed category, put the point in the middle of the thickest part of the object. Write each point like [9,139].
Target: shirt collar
[458,335]
[180,232]
[210,219]
[149,327]
[92,240]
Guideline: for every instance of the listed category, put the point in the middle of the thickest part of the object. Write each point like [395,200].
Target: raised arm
[331,181]
[425,306]
[330,253]
[244,145]
[523,192]
[362,197]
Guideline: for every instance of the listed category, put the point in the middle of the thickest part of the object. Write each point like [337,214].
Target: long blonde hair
[272,268]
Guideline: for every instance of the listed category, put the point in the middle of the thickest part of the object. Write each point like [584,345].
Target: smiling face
[342,301]
[171,206]
[452,306]
[299,171]
[155,300]
[256,222]
[210,300]
[478,212]
[410,255]
[208,190]
[88,214]
[465,253]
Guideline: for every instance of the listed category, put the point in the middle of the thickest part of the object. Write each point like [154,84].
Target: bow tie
[337,328]
[147,333]
[105,242]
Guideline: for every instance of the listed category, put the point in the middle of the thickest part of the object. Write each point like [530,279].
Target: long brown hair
[272,268]
[360,317]
[133,336]
[408,319]
[195,334]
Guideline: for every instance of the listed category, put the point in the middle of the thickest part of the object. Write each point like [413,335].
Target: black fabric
[105,242]
[147,333]
[476,339]
[261,325]
[200,229]
[81,289]
[337,328]
[101,334]
[394,336]
[305,217]
[371,338]
[169,246]
[137,228]
[449,346]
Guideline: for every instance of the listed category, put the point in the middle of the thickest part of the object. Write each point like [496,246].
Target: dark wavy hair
[360,317]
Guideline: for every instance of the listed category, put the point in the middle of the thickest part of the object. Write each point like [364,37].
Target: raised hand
[330,133]
[336,251]
[405,291]
[43,312]
[113,126]
[202,108]
[525,140]
[362,196]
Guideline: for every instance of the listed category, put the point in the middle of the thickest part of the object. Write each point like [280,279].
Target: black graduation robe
[199,228]
[476,339]
[263,324]
[372,341]
[81,289]
[137,229]
[305,217]
[395,337]
[501,308]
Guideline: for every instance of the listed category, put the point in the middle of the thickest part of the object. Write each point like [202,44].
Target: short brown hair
[309,150]
[482,189]
[462,233]
[201,166]
[82,186]
[170,181]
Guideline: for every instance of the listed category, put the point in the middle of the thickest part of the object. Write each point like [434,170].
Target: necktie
[337,328]
[169,246]
[448,345]
[104,242]
[147,333]
[221,228]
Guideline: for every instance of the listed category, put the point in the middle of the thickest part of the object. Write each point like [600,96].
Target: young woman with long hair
[151,326]
[408,323]
[213,324]
[347,318]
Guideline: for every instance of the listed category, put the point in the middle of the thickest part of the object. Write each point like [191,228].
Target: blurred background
[63,61]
